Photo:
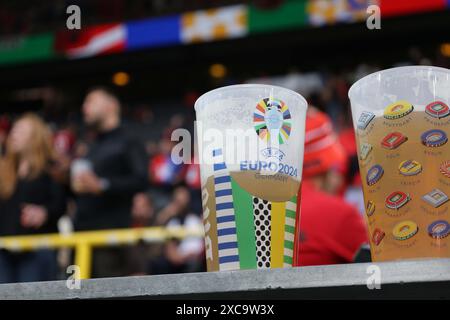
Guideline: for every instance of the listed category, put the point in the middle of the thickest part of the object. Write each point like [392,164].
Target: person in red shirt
[330,231]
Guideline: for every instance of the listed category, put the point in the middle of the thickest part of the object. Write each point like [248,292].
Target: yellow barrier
[83,242]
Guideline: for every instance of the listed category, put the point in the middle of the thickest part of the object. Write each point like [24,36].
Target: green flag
[290,14]
[27,48]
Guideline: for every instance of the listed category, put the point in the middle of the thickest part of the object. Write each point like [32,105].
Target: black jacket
[41,191]
[121,160]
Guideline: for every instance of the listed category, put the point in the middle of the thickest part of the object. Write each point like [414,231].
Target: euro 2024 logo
[272,122]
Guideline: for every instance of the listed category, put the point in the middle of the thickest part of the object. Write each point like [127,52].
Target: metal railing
[84,242]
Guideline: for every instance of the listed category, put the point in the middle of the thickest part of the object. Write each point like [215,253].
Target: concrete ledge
[424,279]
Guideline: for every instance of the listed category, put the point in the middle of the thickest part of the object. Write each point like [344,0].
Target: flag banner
[403,7]
[201,26]
[23,49]
[92,41]
[289,14]
[328,12]
[214,24]
[153,32]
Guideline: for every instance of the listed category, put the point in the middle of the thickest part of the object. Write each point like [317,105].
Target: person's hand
[88,182]
[33,216]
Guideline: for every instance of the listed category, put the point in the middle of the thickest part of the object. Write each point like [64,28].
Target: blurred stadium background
[160,55]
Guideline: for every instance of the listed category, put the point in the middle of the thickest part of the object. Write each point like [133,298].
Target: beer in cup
[250,147]
[402,123]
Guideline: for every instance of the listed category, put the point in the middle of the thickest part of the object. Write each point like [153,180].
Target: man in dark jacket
[118,170]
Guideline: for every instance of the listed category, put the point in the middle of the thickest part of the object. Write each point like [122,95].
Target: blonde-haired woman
[30,201]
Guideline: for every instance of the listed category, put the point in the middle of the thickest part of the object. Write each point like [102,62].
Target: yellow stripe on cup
[277,234]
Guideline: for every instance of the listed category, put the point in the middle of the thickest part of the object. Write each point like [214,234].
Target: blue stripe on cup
[225,232]
[225,219]
[228,245]
[229,259]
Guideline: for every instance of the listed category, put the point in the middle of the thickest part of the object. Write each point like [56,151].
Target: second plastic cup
[402,123]
[250,140]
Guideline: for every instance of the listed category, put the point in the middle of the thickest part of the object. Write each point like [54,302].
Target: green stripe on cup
[289,244]
[289,229]
[288,260]
[245,230]
[290,214]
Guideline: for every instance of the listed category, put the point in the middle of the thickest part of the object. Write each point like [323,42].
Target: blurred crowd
[108,172]
[100,174]
[104,178]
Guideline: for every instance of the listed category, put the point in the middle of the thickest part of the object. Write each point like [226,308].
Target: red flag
[92,41]
[402,7]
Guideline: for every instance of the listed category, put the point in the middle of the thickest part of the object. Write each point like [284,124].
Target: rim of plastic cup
[394,70]
[248,85]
